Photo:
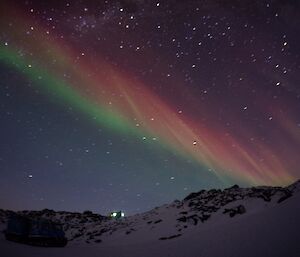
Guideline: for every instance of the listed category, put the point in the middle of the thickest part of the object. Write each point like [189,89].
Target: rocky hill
[168,221]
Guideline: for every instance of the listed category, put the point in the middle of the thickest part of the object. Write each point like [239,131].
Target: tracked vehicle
[39,232]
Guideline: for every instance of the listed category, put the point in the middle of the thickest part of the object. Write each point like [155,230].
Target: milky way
[129,104]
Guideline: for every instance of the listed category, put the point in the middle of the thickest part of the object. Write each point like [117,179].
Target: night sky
[127,105]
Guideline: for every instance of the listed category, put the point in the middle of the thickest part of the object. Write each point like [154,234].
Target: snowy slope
[261,221]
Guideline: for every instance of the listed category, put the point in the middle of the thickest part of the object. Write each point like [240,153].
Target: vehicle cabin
[41,232]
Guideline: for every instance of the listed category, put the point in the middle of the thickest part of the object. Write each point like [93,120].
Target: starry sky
[130,104]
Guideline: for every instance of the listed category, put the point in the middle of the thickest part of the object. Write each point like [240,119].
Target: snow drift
[258,221]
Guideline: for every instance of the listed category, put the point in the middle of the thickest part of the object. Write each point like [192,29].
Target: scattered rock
[234,187]
[240,209]
[287,194]
[170,237]
[182,219]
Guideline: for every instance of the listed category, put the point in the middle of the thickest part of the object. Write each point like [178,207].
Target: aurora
[125,105]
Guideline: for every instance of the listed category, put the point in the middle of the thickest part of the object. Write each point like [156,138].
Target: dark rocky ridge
[195,209]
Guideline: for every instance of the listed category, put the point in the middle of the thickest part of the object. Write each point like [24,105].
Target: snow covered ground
[208,223]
